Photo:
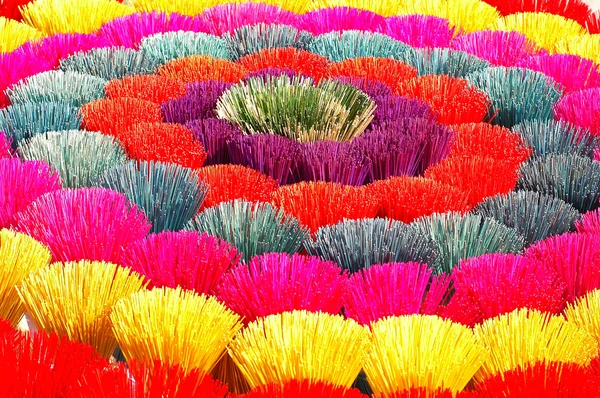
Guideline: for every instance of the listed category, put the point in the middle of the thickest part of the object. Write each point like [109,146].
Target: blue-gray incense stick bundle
[57,86]
[79,156]
[170,195]
[110,63]
[535,215]
[459,237]
[165,47]
[358,244]
[254,228]
[572,178]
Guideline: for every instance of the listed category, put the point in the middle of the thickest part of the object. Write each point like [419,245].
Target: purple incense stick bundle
[372,88]
[431,142]
[128,31]
[228,17]
[200,102]
[332,161]
[214,134]
[572,72]
[420,30]
[327,20]
[267,73]
[390,156]
[391,107]
[497,47]
[272,155]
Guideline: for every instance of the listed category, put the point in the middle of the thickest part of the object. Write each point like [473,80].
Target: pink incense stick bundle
[572,72]
[188,259]
[83,224]
[128,31]
[496,284]
[228,17]
[394,289]
[21,183]
[589,223]
[582,108]
[5,146]
[277,282]
[498,47]
[15,66]
[576,259]
[52,49]
[420,30]
[327,20]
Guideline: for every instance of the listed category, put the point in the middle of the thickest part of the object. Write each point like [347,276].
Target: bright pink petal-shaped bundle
[394,289]
[576,258]
[228,17]
[15,66]
[498,47]
[420,30]
[52,49]
[571,71]
[496,284]
[188,259]
[5,146]
[140,380]
[327,20]
[128,31]
[304,389]
[582,108]
[277,282]
[42,365]
[83,224]
[589,223]
[21,183]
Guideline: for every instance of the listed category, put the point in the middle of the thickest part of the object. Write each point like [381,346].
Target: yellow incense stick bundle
[586,46]
[174,326]
[526,337]
[385,8]
[543,28]
[184,7]
[422,351]
[19,255]
[75,300]
[13,34]
[465,15]
[72,16]
[301,345]
[585,313]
